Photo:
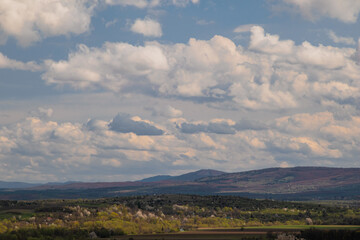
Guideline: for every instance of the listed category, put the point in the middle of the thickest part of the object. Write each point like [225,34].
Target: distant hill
[298,183]
[6,185]
[156,178]
[287,180]
[62,183]
[188,177]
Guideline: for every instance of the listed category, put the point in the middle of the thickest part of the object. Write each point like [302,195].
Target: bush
[102,232]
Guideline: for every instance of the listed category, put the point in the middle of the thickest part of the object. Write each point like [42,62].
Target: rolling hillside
[187,177]
[287,180]
[298,183]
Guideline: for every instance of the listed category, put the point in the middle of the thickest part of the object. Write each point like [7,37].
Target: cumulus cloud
[339,39]
[42,113]
[31,21]
[147,27]
[321,133]
[270,74]
[324,56]
[218,126]
[167,111]
[346,10]
[112,67]
[243,28]
[6,62]
[324,123]
[125,124]
[38,149]
[134,3]
[183,3]
[269,43]
[150,3]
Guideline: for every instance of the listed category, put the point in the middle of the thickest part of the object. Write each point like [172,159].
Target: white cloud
[39,149]
[323,56]
[147,27]
[320,132]
[42,113]
[345,10]
[6,62]
[134,3]
[31,21]
[269,43]
[167,111]
[336,90]
[218,126]
[183,3]
[270,74]
[172,112]
[304,122]
[112,67]
[243,28]
[339,39]
[150,3]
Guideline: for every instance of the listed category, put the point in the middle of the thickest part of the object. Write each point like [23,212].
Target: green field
[24,213]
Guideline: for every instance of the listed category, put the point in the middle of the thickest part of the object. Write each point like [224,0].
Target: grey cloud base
[124,124]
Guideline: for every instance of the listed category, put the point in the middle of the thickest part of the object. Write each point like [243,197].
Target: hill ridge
[295,183]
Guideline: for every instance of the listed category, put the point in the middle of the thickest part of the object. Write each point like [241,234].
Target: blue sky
[113,90]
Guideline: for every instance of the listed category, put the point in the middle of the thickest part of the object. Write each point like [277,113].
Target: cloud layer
[270,74]
[126,107]
[31,21]
[124,145]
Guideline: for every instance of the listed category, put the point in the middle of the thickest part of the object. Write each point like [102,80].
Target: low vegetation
[83,219]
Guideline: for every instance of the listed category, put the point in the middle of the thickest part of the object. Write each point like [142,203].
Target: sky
[116,90]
